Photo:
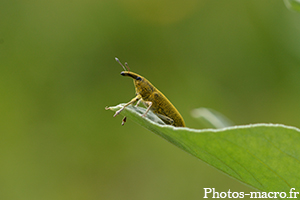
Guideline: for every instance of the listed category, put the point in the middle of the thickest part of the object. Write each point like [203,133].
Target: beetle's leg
[149,103]
[138,97]
[139,101]
[166,119]
[124,121]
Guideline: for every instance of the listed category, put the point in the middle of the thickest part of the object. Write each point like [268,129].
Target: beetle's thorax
[144,88]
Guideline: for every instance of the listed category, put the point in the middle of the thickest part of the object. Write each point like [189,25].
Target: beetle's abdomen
[161,105]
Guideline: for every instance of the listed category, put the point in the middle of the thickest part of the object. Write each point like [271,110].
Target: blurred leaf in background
[293,4]
[57,73]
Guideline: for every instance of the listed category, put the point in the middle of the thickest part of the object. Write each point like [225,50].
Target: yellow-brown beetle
[152,98]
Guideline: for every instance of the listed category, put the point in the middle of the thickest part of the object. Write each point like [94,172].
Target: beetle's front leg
[139,101]
[138,97]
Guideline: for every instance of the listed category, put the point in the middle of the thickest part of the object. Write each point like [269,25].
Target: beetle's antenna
[126,64]
[120,63]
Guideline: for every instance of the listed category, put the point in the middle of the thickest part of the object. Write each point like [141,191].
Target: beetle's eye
[138,78]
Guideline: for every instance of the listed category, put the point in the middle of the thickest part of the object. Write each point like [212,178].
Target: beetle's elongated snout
[130,74]
[123,73]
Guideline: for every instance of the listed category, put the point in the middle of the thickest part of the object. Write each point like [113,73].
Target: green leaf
[264,156]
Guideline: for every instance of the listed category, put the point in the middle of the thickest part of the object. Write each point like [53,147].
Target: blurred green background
[58,73]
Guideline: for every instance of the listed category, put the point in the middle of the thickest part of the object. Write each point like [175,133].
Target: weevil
[152,98]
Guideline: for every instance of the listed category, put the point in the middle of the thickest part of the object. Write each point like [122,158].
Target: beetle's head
[137,78]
